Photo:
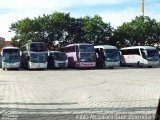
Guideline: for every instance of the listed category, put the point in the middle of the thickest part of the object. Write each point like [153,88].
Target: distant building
[7,43]
[2,43]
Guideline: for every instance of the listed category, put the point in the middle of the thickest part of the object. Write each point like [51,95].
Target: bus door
[100,58]
[144,55]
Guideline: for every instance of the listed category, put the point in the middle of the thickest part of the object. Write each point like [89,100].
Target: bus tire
[3,68]
[138,64]
[28,66]
[111,67]
[101,66]
[149,66]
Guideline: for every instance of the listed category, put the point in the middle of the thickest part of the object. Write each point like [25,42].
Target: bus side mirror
[48,53]
[145,52]
[28,58]
[20,53]
[1,53]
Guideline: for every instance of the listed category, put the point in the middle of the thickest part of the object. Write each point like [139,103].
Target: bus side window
[143,53]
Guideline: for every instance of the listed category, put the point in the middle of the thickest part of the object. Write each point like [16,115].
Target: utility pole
[142,7]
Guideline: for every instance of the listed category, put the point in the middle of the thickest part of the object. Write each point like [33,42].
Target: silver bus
[139,56]
[11,57]
[57,59]
[34,55]
[107,56]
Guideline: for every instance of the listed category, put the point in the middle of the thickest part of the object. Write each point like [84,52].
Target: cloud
[102,2]
[116,18]
[13,10]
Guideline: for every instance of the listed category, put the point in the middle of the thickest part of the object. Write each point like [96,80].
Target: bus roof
[138,47]
[36,42]
[105,46]
[32,42]
[56,52]
[78,44]
[10,47]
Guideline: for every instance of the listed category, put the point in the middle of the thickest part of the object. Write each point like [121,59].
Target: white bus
[11,57]
[34,55]
[139,56]
[57,59]
[81,55]
[107,56]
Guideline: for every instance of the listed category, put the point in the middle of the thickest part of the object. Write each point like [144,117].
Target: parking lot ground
[119,90]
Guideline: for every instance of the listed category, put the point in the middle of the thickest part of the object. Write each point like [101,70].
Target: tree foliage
[140,31]
[61,28]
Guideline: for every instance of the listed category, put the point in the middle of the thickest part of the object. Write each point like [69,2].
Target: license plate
[61,64]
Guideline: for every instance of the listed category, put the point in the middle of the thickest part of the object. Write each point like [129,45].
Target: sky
[114,12]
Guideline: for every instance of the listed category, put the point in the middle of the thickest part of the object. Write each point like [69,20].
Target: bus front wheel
[111,67]
[3,68]
[138,64]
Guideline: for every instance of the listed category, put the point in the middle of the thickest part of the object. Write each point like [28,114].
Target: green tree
[61,28]
[48,28]
[96,31]
[140,31]
[76,33]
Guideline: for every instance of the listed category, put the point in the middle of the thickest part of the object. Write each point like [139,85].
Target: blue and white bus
[139,56]
[11,57]
[107,56]
[34,55]
[57,59]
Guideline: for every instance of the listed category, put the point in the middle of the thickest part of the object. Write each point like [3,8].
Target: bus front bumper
[86,64]
[10,65]
[112,64]
[153,63]
[61,64]
[37,65]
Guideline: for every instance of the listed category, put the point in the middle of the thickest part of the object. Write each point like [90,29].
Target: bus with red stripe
[81,55]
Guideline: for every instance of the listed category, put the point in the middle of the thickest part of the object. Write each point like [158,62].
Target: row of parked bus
[35,55]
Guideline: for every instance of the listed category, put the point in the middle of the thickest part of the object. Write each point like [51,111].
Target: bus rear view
[11,57]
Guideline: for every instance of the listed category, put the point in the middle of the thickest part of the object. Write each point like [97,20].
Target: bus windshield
[38,58]
[38,47]
[87,57]
[11,55]
[59,56]
[111,55]
[86,48]
[152,55]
